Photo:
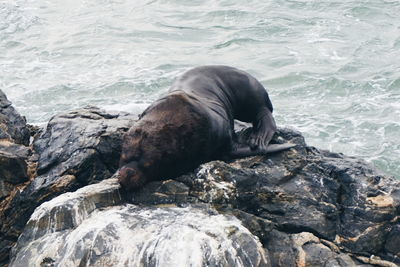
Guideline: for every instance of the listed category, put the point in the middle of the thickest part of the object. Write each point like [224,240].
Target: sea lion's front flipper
[264,127]
[240,151]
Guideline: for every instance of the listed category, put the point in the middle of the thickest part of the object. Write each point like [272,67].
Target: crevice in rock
[293,173]
[101,157]
[105,115]
[42,171]
[340,207]
[297,229]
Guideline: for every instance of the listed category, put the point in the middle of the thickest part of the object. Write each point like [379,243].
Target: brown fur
[166,141]
[194,123]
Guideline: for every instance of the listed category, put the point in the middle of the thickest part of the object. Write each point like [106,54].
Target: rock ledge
[303,207]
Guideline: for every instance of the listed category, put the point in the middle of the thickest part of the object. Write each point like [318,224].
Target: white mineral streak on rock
[71,208]
[214,190]
[129,235]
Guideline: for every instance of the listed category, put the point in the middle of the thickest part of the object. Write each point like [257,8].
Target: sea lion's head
[131,177]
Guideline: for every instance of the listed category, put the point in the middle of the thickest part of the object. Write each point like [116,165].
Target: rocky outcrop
[302,207]
[12,125]
[76,149]
[313,202]
[13,166]
[14,135]
[94,227]
[308,207]
[14,154]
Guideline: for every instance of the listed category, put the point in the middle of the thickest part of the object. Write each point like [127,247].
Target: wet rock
[336,198]
[392,244]
[13,166]
[310,251]
[163,192]
[14,134]
[85,143]
[5,189]
[302,207]
[12,124]
[77,148]
[73,230]
[70,209]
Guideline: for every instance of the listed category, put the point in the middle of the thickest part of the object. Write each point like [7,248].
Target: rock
[12,125]
[70,209]
[337,200]
[5,189]
[163,192]
[13,166]
[77,148]
[14,135]
[85,143]
[73,230]
[302,207]
[392,243]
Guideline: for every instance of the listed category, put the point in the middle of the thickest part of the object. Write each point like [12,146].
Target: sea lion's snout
[130,177]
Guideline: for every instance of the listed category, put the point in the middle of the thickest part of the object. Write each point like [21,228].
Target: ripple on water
[15,18]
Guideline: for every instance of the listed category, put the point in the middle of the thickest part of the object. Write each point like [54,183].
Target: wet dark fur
[166,141]
[193,124]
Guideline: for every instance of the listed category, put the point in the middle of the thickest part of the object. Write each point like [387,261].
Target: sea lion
[194,123]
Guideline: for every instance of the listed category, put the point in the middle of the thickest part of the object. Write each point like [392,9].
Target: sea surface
[332,68]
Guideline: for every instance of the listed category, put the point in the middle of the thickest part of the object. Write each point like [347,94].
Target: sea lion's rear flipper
[273,148]
[240,151]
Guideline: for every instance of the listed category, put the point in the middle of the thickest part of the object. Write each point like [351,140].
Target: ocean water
[332,68]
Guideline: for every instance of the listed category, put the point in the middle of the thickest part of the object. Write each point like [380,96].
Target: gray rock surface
[13,166]
[302,207]
[76,148]
[14,134]
[85,143]
[308,207]
[12,124]
[93,227]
